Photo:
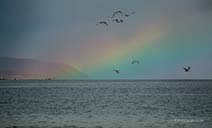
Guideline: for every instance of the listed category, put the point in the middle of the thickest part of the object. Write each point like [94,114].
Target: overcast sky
[173,33]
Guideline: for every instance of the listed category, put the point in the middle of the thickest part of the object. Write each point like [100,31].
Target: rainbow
[118,51]
[158,44]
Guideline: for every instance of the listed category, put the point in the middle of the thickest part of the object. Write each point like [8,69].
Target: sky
[164,35]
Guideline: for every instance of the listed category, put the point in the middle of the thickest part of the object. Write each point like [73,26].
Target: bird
[187,69]
[117,12]
[102,22]
[135,61]
[116,71]
[118,21]
[127,15]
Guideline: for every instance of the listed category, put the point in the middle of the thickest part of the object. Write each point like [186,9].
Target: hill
[22,68]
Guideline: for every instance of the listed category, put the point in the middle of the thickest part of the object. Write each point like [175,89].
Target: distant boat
[53,78]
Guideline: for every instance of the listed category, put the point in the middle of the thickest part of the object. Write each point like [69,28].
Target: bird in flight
[135,61]
[102,22]
[127,15]
[116,71]
[118,21]
[117,12]
[187,69]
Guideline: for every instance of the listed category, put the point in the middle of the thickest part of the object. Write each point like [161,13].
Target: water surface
[107,104]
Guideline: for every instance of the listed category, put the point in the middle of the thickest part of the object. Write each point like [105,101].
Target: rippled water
[106,104]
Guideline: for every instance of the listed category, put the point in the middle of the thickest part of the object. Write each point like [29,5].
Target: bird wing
[115,20]
[127,15]
[135,61]
[102,22]
[185,69]
[117,71]
[117,13]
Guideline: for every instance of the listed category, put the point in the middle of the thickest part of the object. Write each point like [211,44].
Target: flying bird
[187,69]
[127,15]
[116,71]
[102,22]
[118,21]
[117,12]
[135,61]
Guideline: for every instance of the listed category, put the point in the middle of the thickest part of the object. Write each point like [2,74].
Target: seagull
[187,69]
[118,21]
[135,61]
[127,15]
[117,12]
[102,22]
[117,71]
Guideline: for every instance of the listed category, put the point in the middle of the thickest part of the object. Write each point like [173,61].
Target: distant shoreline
[116,80]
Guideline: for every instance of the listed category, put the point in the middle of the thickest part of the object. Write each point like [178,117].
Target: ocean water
[106,104]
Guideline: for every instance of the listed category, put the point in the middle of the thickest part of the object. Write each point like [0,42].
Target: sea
[106,104]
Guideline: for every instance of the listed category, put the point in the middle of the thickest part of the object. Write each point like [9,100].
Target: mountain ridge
[27,68]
